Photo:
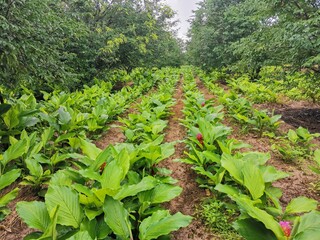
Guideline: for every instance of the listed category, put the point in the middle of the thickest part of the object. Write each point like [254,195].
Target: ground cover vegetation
[71,70]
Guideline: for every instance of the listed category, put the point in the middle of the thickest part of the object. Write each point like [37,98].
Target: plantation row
[273,84]
[117,192]
[93,193]
[244,176]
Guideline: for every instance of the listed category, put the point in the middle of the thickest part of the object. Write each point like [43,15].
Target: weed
[218,216]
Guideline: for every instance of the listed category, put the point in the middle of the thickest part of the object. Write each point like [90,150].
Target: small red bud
[286,227]
[202,104]
[199,137]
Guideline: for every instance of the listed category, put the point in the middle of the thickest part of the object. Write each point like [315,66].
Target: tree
[50,44]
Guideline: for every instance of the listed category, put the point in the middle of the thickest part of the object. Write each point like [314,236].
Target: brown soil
[296,113]
[306,117]
[191,195]
[112,136]
[12,227]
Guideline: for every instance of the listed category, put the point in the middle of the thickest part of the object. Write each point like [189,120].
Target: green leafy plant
[6,180]
[259,121]
[316,169]
[113,195]
[296,145]
[256,222]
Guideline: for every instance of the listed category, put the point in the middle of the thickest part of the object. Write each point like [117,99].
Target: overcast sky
[184,12]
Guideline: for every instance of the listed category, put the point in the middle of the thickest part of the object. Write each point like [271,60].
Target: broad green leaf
[46,135]
[101,158]
[300,205]
[309,226]
[292,136]
[70,212]
[270,223]
[14,151]
[202,171]
[35,168]
[117,217]
[253,230]
[253,180]
[271,174]
[61,178]
[111,177]
[82,235]
[4,200]
[161,193]
[233,165]
[317,156]
[97,228]
[34,214]
[64,116]
[89,149]
[11,117]
[9,177]
[146,183]
[124,161]
[92,213]
[57,158]
[65,136]
[303,132]
[36,149]
[167,149]
[247,205]
[51,232]
[28,121]
[256,158]
[90,174]
[162,223]
[212,157]
[230,191]
[274,194]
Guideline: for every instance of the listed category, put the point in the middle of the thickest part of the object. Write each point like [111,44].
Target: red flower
[199,137]
[286,227]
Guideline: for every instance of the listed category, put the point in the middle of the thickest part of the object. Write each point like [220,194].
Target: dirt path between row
[191,195]
[115,134]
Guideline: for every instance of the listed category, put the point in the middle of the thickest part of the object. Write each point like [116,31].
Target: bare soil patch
[191,195]
[306,117]
[112,136]
[12,227]
[297,113]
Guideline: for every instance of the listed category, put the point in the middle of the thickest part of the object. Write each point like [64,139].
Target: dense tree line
[249,34]
[49,44]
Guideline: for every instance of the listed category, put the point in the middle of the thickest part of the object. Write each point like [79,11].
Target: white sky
[184,12]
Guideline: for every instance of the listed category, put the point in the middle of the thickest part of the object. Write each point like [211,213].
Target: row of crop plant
[81,112]
[275,84]
[37,137]
[242,176]
[292,146]
[116,192]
